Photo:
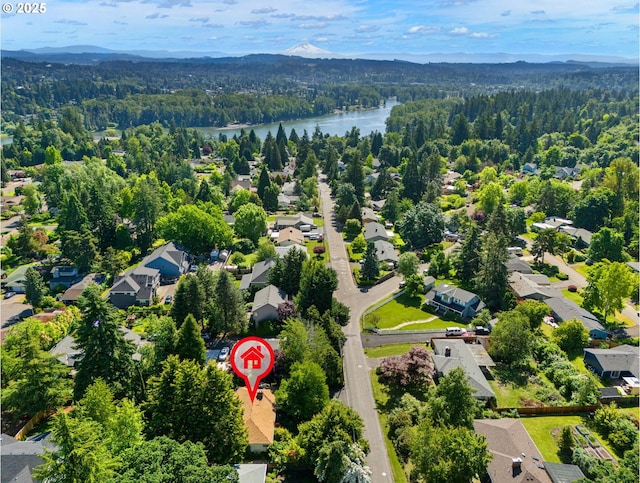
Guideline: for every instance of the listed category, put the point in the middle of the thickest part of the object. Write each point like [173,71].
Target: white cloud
[313,25]
[538,12]
[459,31]
[422,30]
[156,15]
[483,35]
[175,3]
[368,28]
[254,23]
[264,10]
[199,19]
[506,13]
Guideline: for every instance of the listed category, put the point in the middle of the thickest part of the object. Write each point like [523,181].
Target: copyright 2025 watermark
[24,8]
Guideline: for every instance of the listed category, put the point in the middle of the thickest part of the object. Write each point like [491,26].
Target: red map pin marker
[252,359]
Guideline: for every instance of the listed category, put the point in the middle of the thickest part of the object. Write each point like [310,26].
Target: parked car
[224,354]
[455,332]
[480,330]
[168,299]
[403,284]
[8,295]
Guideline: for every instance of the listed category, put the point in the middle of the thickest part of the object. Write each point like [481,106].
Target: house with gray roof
[375,231]
[564,309]
[259,275]
[63,276]
[73,293]
[516,264]
[170,260]
[137,286]
[16,281]
[19,458]
[580,236]
[368,215]
[294,221]
[621,361]
[452,353]
[265,304]
[67,352]
[515,457]
[385,251]
[283,250]
[532,286]
[448,298]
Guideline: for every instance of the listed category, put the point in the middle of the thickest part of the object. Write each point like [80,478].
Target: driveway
[357,391]
[12,311]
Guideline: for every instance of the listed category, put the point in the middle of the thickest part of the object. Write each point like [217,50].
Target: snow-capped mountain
[305,49]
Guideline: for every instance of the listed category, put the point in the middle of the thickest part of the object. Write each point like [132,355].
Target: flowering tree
[411,371]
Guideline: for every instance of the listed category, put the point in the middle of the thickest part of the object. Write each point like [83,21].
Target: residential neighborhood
[448,284]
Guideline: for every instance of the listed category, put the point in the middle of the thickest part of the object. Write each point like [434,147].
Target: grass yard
[543,428]
[311,244]
[399,310]
[575,296]
[380,396]
[540,427]
[508,396]
[388,350]
[577,360]
[581,268]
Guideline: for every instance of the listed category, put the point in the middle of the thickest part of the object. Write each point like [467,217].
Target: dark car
[480,330]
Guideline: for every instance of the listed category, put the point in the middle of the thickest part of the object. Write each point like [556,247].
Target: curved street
[357,391]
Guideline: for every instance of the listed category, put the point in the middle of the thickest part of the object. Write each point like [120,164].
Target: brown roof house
[516,458]
[290,236]
[259,418]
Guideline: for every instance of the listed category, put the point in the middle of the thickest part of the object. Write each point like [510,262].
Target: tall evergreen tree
[391,208]
[467,263]
[230,315]
[412,181]
[190,403]
[370,268]
[190,344]
[34,287]
[492,277]
[317,284]
[263,182]
[105,351]
[354,172]
[188,299]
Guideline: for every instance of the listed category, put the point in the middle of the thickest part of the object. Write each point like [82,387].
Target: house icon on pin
[252,357]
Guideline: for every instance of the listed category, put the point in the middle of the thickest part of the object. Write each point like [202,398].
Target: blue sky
[345,27]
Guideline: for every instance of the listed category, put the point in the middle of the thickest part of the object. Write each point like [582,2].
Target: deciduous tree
[304,393]
[422,225]
[251,222]
[408,264]
[511,338]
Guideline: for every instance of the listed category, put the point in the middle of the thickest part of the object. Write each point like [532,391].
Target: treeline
[262,89]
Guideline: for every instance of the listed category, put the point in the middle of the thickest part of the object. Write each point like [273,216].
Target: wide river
[367,121]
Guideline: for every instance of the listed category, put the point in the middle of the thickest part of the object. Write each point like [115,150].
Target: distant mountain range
[90,54]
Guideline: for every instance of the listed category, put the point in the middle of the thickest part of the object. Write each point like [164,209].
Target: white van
[515,251]
[455,332]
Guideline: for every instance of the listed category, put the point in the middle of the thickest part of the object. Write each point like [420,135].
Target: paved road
[357,391]
[577,279]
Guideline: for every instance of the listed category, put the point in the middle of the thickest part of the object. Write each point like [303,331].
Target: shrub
[572,288]
[244,245]
[319,250]
[562,276]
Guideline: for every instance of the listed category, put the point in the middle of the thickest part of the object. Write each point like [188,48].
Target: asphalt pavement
[357,391]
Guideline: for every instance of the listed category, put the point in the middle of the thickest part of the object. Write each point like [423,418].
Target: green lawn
[540,428]
[399,310]
[388,350]
[581,268]
[575,296]
[381,398]
[543,428]
[311,244]
[508,396]
[404,309]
